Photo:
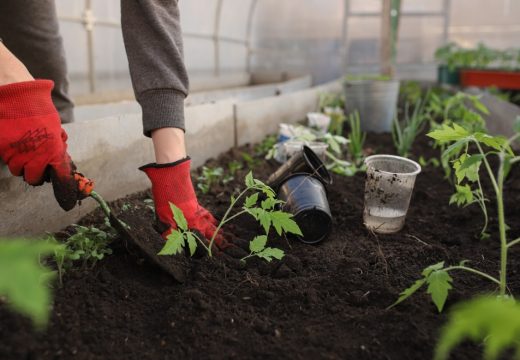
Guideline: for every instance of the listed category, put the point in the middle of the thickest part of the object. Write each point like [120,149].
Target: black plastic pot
[306,162]
[305,198]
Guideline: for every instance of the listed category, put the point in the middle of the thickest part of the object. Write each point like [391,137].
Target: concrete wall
[109,149]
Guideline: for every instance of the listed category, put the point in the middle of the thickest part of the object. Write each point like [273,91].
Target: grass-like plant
[267,214]
[472,150]
[404,133]
[356,139]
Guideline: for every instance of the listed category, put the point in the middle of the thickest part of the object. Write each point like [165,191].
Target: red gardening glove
[32,142]
[171,183]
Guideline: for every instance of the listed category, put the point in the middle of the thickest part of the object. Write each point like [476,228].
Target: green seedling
[265,146]
[337,120]
[258,248]
[461,109]
[429,162]
[466,166]
[492,322]
[356,139]
[404,133]
[410,92]
[25,283]
[209,177]
[251,162]
[331,100]
[267,214]
[234,166]
[87,246]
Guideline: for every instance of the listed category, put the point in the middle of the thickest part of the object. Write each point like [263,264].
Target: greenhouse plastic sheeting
[321,37]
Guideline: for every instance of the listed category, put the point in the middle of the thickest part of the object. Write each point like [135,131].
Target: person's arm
[153,42]
[32,142]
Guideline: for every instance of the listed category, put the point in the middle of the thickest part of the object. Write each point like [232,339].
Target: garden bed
[324,301]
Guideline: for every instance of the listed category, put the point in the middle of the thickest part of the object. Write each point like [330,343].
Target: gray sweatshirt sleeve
[153,41]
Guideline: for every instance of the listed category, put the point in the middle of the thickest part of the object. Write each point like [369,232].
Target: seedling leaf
[249,180]
[258,243]
[179,218]
[270,253]
[192,242]
[283,222]
[174,244]
[493,322]
[405,294]
[439,283]
[251,200]
[449,133]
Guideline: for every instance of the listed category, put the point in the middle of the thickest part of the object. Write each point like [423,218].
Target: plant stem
[474,271]
[482,203]
[223,221]
[513,243]
[234,216]
[102,203]
[498,185]
[502,227]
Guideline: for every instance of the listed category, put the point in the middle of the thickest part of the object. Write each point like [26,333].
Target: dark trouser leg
[29,28]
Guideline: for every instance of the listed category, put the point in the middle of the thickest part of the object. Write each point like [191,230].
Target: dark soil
[323,301]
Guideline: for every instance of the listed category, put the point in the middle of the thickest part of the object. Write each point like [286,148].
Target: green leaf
[405,294]
[467,167]
[265,219]
[249,180]
[23,281]
[192,242]
[270,203]
[251,200]
[494,323]
[179,218]
[174,244]
[270,253]
[258,243]
[463,196]
[439,283]
[480,106]
[283,222]
[447,134]
[427,271]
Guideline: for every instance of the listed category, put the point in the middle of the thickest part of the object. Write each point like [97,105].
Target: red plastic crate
[509,80]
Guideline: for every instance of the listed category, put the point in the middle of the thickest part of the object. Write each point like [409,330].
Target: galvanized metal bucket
[375,100]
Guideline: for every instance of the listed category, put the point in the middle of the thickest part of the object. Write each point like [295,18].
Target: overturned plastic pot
[306,162]
[305,198]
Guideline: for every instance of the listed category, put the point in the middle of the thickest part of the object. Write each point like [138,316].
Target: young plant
[356,139]
[258,248]
[24,282]
[267,214]
[493,322]
[337,120]
[404,134]
[251,162]
[466,167]
[267,144]
[209,177]
[233,167]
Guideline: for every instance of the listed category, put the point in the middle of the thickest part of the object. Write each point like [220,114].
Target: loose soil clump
[324,301]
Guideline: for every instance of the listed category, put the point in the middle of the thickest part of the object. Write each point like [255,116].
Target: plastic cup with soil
[306,162]
[319,121]
[306,198]
[389,185]
[293,147]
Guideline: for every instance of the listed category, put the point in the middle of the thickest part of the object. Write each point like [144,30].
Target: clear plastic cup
[389,185]
[295,146]
[319,121]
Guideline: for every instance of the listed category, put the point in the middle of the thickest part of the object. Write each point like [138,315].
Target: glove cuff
[26,99]
[166,165]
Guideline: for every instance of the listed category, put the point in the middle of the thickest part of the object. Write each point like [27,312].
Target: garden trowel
[135,227]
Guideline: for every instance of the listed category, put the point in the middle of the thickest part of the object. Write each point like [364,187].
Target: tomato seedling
[267,214]
[466,166]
